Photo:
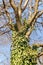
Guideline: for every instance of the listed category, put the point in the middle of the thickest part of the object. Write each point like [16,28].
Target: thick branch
[25,5]
[21,2]
[17,13]
[13,4]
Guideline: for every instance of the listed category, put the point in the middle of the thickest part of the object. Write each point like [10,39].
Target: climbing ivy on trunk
[21,52]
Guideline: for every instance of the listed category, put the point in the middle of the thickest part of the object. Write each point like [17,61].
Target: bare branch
[35,15]
[13,4]
[9,18]
[32,18]
[17,13]
[21,2]
[4,25]
[4,6]
[41,54]
[40,13]
[1,32]
[25,5]
[33,23]
[36,5]
[30,7]
[9,25]
[38,45]
[1,13]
